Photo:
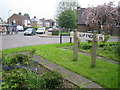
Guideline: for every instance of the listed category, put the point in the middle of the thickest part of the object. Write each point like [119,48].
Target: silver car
[30,31]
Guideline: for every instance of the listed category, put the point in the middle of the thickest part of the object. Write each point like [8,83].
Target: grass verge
[105,73]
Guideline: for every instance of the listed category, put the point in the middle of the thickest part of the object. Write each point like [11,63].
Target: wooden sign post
[94,48]
[75,57]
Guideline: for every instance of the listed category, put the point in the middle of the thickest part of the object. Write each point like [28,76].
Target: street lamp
[9,17]
[8,22]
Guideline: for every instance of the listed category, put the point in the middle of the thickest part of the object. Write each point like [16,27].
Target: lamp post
[9,17]
[8,22]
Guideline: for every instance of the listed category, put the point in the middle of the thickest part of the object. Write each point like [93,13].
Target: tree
[67,19]
[27,15]
[67,4]
[102,15]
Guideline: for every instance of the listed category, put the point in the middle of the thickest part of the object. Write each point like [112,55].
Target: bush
[85,46]
[32,51]
[36,27]
[52,79]
[55,32]
[12,60]
[48,80]
[15,78]
[106,38]
[116,48]
[34,80]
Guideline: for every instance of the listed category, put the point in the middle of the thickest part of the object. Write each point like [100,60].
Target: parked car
[50,29]
[20,28]
[30,31]
[40,30]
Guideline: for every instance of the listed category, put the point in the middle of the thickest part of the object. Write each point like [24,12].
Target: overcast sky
[40,8]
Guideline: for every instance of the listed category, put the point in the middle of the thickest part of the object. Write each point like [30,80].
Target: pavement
[72,77]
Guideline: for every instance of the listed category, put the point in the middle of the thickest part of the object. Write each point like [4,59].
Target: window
[117,24]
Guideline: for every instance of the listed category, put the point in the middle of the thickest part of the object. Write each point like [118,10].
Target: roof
[20,16]
[79,15]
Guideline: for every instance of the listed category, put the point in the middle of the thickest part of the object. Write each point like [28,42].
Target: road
[19,40]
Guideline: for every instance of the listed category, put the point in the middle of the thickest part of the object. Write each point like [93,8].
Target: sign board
[88,36]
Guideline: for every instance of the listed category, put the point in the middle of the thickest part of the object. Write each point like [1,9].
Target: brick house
[18,19]
[82,27]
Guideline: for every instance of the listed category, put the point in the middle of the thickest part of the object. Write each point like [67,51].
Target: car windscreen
[40,29]
[29,30]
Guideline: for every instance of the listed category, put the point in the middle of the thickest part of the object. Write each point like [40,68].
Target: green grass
[105,73]
[109,54]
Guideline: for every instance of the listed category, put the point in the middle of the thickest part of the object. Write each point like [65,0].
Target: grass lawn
[109,52]
[105,73]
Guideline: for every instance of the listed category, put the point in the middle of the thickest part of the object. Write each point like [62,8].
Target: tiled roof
[79,15]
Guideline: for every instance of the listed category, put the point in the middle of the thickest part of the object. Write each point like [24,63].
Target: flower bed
[22,71]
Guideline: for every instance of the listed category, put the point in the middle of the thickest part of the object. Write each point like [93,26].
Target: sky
[40,8]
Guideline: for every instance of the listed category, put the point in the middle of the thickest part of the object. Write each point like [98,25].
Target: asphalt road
[19,40]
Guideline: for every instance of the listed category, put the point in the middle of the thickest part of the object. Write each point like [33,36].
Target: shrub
[55,32]
[106,38]
[48,80]
[116,48]
[85,46]
[32,51]
[89,41]
[52,79]
[15,78]
[12,60]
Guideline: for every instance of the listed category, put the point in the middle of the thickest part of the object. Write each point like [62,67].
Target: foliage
[55,32]
[15,78]
[67,19]
[36,27]
[105,73]
[11,60]
[48,80]
[52,79]
[67,5]
[32,51]
[104,15]
[27,15]
[85,46]
[106,38]
[34,80]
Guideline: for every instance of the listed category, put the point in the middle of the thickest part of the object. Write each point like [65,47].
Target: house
[82,27]
[18,19]
[47,22]
[35,22]
[42,22]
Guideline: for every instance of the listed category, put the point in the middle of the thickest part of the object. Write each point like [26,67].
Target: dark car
[30,31]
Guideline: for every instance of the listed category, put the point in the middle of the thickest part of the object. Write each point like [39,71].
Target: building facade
[18,19]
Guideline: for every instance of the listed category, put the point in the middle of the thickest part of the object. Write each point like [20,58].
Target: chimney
[19,13]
